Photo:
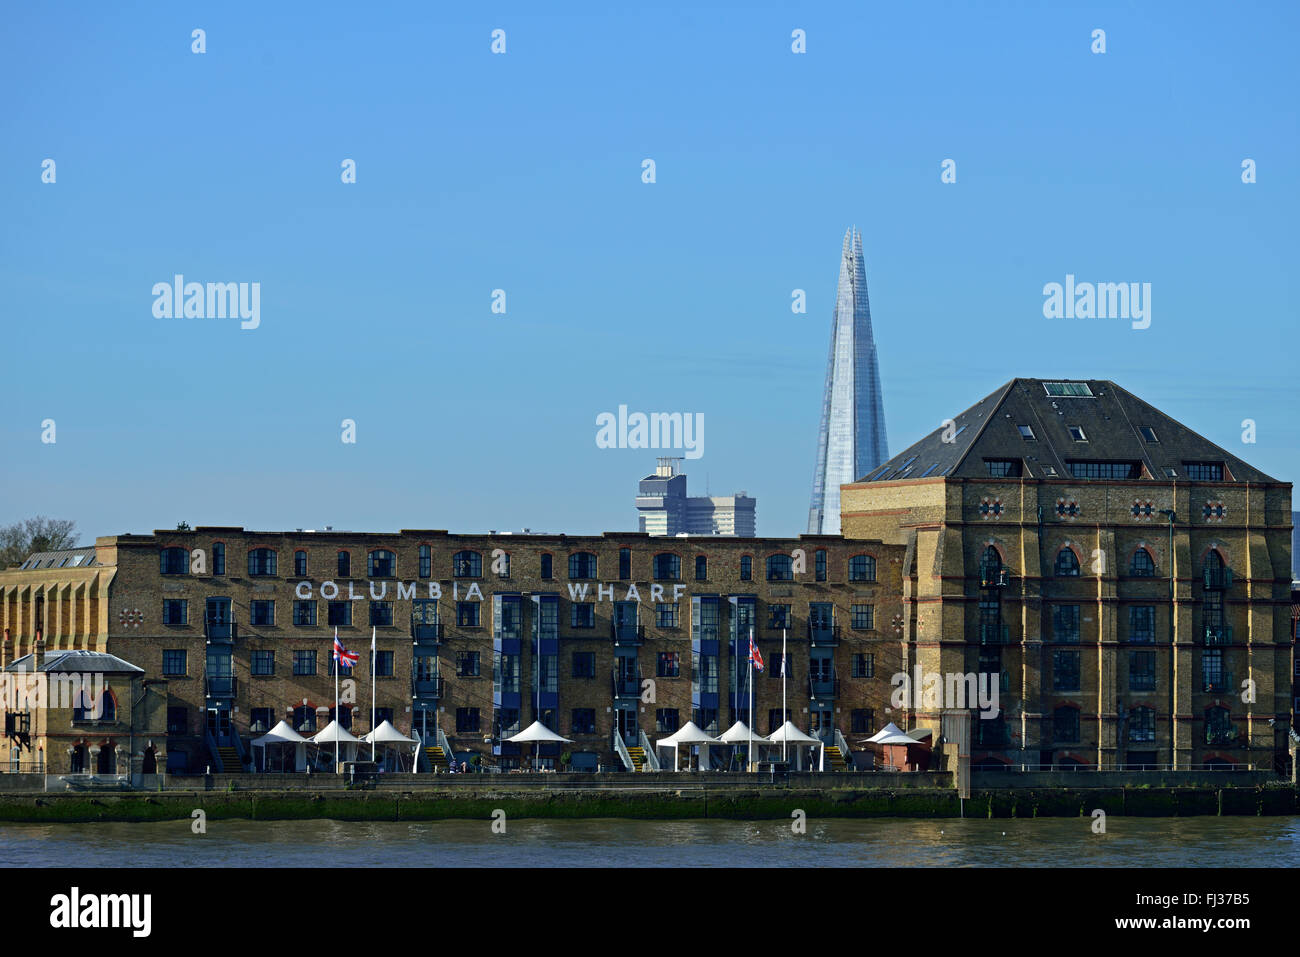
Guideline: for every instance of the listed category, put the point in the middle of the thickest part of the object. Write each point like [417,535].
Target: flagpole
[751,696]
[373,654]
[335,652]
[784,669]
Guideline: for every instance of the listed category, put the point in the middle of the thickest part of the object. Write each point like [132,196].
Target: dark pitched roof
[88,662]
[63,558]
[1113,424]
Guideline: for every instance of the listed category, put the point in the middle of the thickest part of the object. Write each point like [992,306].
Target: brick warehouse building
[1038,535]
[478,635]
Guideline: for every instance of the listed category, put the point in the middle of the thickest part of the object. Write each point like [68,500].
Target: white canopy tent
[789,734]
[689,734]
[537,733]
[740,733]
[282,734]
[390,737]
[334,734]
[891,734]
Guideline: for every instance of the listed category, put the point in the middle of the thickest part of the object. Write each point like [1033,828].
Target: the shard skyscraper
[851,441]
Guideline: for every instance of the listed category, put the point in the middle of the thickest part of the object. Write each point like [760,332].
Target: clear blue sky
[523,172]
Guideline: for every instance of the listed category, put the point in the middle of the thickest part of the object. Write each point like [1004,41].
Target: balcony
[220,686]
[993,633]
[823,634]
[218,630]
[626,632]
[427,687]
[426,633]
[1221,736]
[1218,579]
[994,577]
[1217,683]
[626,686]
[823,686]
[1218,635]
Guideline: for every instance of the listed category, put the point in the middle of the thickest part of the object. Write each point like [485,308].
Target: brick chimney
[4,651]
[39,650]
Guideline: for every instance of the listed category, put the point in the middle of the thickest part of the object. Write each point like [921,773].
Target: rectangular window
[584,664]
[583,721]
[1003,468]
[178,720]
[669,664]
[778,616]
[467,614]
[175,662]
[300,564]
[304,662]
[345,565]
[666,721]
[781,665]
[546,567]
[1068,389]
[1142,671]
[1026,432]
[864,665]
[666,615]
[1077,433]
[707,719]
[819,564]
[1065,671]
[746,568]
[262,663]
[381,613]
[863,721]
[1065,623]
[701,568]
[304,613]
[261,612]
[467,664]
[1142,624]
[467,721]
[625,563]
[343,669]
[218,558]
[261,562]
[1148,433]
[340,613]
[583,615]
[863,617]
[1204,471]
[1115,471]
[384,664]
[426,561]
[175,611]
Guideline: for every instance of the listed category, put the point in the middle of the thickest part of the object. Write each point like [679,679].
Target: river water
[892,842]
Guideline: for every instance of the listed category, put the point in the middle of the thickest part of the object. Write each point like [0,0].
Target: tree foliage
[39,534]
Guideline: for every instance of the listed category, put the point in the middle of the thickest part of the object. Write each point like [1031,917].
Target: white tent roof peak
[689,733]
[892,734]
[739,733]
[387,734]
[536,732]
[789,733]
[281,733]
[333,732]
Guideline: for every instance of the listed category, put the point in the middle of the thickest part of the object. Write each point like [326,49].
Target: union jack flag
[344,657]
[755,655]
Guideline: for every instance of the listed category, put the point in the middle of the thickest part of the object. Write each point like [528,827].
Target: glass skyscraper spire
[851,440]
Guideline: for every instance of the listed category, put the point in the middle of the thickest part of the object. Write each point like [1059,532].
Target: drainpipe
[1169,513]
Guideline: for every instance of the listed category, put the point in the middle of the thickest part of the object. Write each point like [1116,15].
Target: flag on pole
[342,656]
[782,664]
[755,655]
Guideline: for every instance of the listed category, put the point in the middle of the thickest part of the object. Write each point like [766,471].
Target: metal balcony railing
[823,633]
[424,631]
[995,577]
[219,630]
[823,687]
[427,687]
[220,686]
[626,686]
[1221,736]
[626,632]
[1218,634]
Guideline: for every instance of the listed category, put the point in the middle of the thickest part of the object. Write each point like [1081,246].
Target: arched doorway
[106,762]
[77,759]
[149,765]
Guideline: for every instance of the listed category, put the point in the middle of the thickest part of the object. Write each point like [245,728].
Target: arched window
[780,568]
[862,568]
[174,561]
[344,717]
[1218,726]
[304,718]
[667,567]
[1217,576]
[77,763]
[382,563]
[106,760]
[582,565]
[1065,725]
[300,563]
[990,564]
[467,564]
[261,562]
[1142,566]
[1067,563]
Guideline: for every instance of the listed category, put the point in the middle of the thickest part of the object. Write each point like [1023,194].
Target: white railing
[844,750]
[621,748]
[445,745]
[651,759]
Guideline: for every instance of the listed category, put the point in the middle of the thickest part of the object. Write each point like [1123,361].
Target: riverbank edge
[650,804]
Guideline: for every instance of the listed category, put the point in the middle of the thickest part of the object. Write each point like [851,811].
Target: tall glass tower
[851,440]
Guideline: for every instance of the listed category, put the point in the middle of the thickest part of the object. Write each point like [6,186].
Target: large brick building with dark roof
[1038,525]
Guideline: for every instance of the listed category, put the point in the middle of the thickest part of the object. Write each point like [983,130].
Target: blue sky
[522,172]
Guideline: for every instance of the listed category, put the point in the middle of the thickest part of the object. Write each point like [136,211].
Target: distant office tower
[667,510]
[851,440]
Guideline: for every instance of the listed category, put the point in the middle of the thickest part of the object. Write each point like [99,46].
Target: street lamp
[1169,514]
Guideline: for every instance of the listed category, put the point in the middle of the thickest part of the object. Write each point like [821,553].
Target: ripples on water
[1144,842]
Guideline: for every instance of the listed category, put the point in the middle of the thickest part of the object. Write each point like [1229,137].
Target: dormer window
[1027,433]
[1076,433]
